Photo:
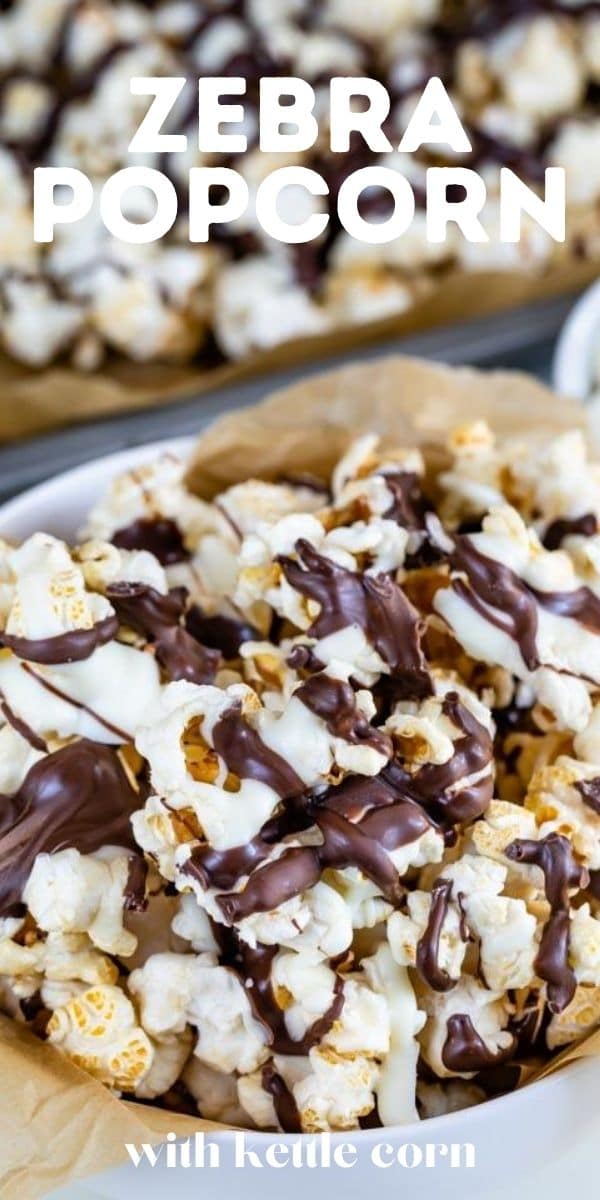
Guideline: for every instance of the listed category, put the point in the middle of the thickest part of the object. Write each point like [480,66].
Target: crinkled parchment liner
[33,402]
[56,1123]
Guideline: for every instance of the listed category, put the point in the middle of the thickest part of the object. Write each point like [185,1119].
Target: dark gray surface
[522,340]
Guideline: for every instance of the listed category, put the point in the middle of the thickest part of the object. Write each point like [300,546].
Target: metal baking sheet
[521,339]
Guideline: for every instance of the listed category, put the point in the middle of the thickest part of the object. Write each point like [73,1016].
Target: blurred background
[148,341]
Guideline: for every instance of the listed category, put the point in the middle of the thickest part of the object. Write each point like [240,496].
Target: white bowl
[511,1136]
[577,357]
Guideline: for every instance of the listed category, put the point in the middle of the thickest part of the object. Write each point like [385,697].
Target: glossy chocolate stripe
[334,702]
[510,605]
[253,967]
[465,1051]
[409,505]
[247,756]
[396,825]
[357,796]
[564,527]
[375,604]
[552,962]
[223,868]
[77,796]
[428,946]
[589,790]
[345,845]
[21,727]
[431,785]
[74,646]
[286,1109]
[297,870]
[553,854]
[580,604]
[161,536]
[158,617]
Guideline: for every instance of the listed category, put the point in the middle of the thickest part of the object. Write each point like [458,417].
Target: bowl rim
[572,364]
[17,508]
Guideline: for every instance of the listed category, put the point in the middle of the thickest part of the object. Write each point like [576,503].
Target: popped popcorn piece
[177,990]
[98,1031]
[215,1092]
[69,892]
[584,946]
[562,797]
[465,1029]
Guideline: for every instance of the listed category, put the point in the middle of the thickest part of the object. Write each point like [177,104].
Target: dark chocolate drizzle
[552,961]
[74,646]
[296,871]
[375,604]
[502,598]
[247,756]
[498,595]
[159,618]
[226,634]
[361,822]
[580,604]
[564,527]
[465,1051]
[589,790]
[160,535]
[21,727]
[77,796]
[409,506]
[135,899]
[431,785]
[553,854]
[347,845]
[334,702]
[286,1109]
[428,947]
[253,968]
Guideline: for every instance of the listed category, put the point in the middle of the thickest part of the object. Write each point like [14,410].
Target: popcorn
[545,640]
[522,83]
[372,836]
[584,946]
[505,929]
[174,990]
[530,60]
[257,305]
[69,892]
[465,1029]
[168,1062]
[561,796]
[215,1092]
[98,1031]
[227,811]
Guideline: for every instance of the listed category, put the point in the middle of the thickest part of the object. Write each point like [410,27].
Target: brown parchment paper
[33,402]
[56,1123]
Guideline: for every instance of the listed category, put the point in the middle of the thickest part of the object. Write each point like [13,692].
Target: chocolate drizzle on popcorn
[305,821]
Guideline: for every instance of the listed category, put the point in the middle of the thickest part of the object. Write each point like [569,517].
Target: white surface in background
[577,347]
